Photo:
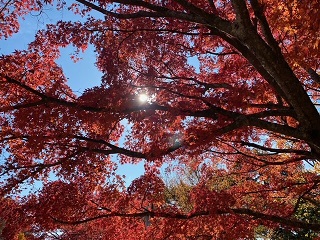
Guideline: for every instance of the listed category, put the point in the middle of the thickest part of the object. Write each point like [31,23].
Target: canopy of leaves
[245,111]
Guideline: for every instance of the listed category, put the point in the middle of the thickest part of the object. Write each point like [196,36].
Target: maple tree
[245,111]
[179,186]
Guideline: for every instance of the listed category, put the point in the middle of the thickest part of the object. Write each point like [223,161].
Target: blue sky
[81,75]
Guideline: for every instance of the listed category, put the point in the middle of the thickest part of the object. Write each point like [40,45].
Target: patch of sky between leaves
[194,61]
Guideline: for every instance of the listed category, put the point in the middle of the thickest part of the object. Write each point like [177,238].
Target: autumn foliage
[233,90]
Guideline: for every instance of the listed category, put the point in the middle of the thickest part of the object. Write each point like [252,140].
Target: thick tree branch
[258,12]
[278,219]
[113,148]
[242,211]
[45,99]
[157,11]
[242,13]
[314,75]
[277,150]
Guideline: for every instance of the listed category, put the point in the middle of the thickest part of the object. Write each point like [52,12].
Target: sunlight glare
[143,97]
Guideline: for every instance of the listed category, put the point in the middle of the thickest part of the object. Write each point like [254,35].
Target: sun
[143,97]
